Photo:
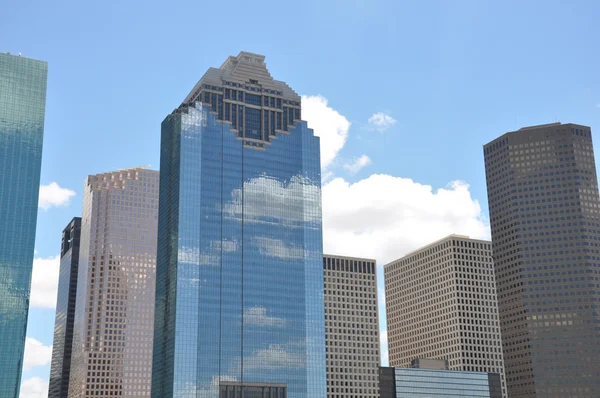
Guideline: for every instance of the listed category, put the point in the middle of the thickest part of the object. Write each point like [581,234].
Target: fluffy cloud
[258,316]
[268,200]
[384,217]
[44,282]
[36,354]
[328,124]
[358,164]
[34,387]
[278,248]
[381,121]
[277,356]
[52,195]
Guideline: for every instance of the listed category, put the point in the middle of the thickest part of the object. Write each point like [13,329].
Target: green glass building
[22,106]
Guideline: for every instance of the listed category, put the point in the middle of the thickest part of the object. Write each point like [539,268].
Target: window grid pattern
[545,220]
[239,279]
[441,384]
[243,94]
[114,317]
[22,109]
[441,303]
[60,367]
[351,327]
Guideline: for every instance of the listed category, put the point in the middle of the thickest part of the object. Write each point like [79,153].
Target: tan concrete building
[351,327]
[441,304]
[114,315]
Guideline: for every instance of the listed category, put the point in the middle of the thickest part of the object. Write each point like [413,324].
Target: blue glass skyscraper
[239,298]
[22,108]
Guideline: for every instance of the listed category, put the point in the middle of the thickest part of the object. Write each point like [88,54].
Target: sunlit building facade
[441,304]
[239,305]
[22,110]
[114,310]
[351,327]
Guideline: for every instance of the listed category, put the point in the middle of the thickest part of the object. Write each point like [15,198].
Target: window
[253,117]
[253,99]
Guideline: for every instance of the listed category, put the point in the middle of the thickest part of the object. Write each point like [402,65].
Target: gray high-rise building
[545,218]
[22,110]
[351,327]
[114,310]
[441,304]
[60,367]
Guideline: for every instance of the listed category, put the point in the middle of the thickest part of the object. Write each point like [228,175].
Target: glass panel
[243,229]
[22,110]
[252,123]
[253,99]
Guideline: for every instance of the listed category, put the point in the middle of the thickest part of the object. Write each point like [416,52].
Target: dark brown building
[545,219]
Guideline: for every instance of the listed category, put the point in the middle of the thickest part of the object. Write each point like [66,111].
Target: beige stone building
[441,303]
[114,316]
[351,327]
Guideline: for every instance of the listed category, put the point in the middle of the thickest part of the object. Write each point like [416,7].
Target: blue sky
[445,78]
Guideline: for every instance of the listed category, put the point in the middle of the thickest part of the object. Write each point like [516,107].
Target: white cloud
[268,200]
[328,124]
[381,121]
[44,282]
[36,354]
[34,387]
[52,195]
[258,316]
[384,217]
[278,248]
[277,356]
[358,164]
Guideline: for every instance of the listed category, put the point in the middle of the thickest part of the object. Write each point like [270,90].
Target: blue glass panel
[253,99]
[22,108]
[266,125]
[272,123]
[220,107]
[234,117]
[239,261]
[252,123]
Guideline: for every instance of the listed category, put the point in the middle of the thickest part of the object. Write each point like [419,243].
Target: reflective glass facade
[22,108]
[545,220]
[411,383]
[239,299]
[65,311]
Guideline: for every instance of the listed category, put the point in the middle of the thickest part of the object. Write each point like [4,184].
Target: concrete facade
[351,327]
[441,304]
